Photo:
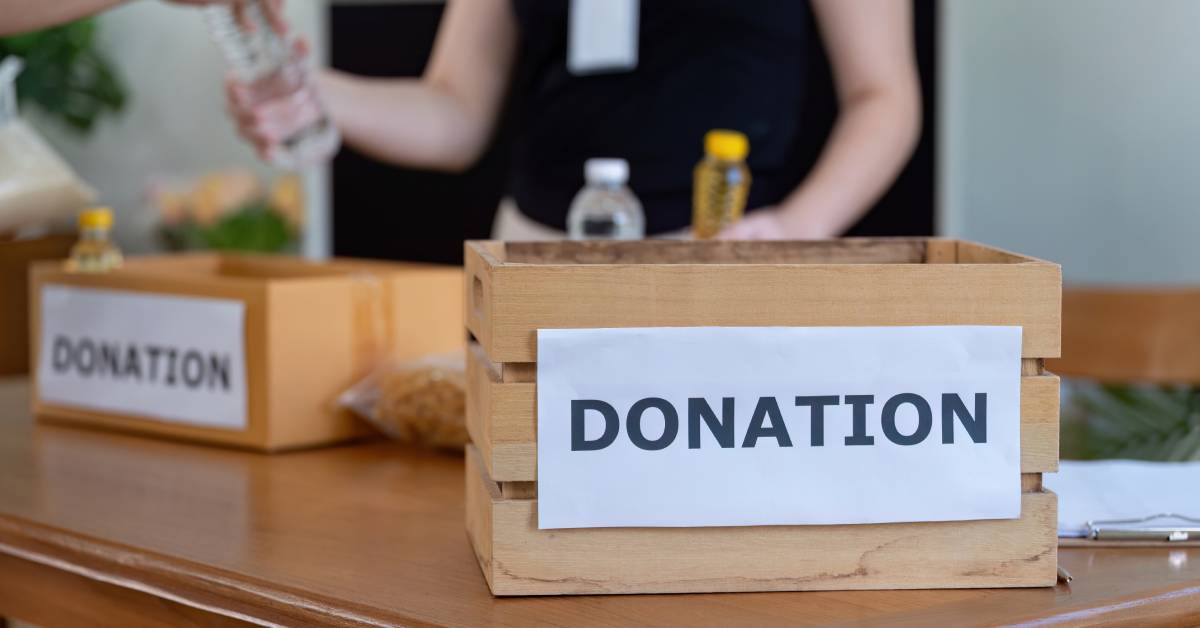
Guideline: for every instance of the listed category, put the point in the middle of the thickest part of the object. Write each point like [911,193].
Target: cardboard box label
[727,426]
[172,358]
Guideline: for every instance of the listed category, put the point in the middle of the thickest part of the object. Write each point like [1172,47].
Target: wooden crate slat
[509,302]
[941,251]
[840,251]
[1030,483]
[975,253]
[525,372]
[1039,423]
[519,559]
[508,441]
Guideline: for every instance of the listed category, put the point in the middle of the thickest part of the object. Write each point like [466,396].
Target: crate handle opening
[476,295]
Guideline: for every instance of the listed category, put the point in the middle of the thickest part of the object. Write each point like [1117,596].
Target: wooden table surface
[119,530]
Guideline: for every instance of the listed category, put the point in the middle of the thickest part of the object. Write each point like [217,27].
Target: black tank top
[702,64]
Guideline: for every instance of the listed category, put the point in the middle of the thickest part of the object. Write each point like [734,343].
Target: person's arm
[442,120]
[19,16]
[879,121]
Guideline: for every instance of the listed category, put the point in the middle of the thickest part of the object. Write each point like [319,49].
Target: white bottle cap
[609,171]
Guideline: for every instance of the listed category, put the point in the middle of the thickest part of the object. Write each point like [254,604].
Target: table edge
[250,599]
[219,591]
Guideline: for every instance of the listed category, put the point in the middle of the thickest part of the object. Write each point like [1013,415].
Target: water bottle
[606,209]
[269,66]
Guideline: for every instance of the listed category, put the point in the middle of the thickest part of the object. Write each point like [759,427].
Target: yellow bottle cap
[727,145]
[96,218]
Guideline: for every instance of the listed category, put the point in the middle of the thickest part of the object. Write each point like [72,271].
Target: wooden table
[116,530]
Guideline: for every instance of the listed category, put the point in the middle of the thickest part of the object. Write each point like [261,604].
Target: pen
[1064,575]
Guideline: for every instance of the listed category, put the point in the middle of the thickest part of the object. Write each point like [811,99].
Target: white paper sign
[177,359]
[714,426]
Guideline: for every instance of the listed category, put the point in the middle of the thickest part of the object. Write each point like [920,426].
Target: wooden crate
[311,329]
[513,289]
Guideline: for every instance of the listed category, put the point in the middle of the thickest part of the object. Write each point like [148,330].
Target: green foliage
[65,75]
[1129,421]
[255,228]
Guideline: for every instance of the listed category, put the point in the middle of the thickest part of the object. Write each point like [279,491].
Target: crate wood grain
[519,559]
[502,418]
[311,330]
[514,289]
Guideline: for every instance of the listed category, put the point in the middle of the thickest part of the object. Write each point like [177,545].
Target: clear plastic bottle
[269,65]
[95,251]
[606,209]
[722,182]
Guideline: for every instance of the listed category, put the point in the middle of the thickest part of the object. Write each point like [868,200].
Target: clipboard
[1160,530]
[1145,498]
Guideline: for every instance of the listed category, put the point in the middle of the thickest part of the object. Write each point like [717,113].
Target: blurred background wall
[1069,131]
[174,123]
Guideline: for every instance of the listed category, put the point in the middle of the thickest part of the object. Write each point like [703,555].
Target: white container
[37,187]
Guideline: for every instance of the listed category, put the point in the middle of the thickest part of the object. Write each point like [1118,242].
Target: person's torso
[702,65]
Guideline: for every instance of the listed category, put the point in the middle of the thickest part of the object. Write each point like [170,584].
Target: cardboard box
[15,258]
[310,331]
[513,289]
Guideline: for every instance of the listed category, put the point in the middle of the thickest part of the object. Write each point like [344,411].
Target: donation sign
[725,426]
[172,358]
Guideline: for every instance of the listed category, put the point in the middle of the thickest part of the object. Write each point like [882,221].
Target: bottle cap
[606,170]
[96,218]
[727,145]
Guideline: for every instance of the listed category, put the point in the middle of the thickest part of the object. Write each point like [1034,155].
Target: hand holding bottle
[271,92]
[267,118]
[272,10]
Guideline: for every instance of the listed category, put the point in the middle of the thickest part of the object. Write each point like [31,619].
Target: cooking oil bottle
[95,251]
[721,183]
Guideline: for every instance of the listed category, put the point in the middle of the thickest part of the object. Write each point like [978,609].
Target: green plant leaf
[1130,421]
[66,75]
[253,228]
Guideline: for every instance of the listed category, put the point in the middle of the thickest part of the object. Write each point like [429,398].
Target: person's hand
[267,122]
[272,12]
[774,223]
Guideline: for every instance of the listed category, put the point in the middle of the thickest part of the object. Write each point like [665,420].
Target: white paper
[770,484]
[171,358]
[1122,489]
[603,36]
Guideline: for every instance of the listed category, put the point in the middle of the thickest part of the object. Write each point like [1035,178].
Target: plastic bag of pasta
[422,402]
